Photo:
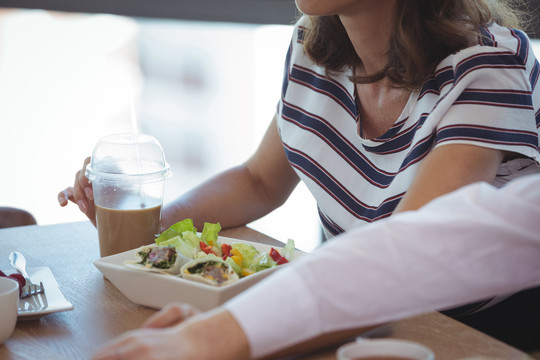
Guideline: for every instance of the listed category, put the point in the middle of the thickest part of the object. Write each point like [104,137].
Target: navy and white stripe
[485,95]
[324,85]
[488,135]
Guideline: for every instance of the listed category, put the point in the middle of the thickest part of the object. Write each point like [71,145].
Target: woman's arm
[241,194]
[234,197]
[447,168]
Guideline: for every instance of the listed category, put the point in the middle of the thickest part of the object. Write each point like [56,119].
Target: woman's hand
[81,194]
[191,335]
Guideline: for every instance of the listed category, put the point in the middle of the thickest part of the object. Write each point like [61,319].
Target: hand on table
[169,335]
[158,338]
[170,315]
[81,194]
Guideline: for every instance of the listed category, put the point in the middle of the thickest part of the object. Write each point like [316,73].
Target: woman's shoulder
[507,40]
[302,22]
[296,56]
[498,46]
[299,28]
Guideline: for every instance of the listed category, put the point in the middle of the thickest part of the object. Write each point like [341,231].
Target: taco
[211,270]
[162,259]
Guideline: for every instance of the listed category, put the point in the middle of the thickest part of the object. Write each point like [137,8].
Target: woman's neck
[369,26]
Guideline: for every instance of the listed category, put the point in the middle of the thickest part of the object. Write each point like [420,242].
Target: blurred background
[202,76]
[205,89]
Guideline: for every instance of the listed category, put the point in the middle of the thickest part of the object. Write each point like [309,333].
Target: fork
[18,262]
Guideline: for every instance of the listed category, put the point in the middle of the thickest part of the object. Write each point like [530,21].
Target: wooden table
[101,312]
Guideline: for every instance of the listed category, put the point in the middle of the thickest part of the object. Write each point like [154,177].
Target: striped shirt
[485,95]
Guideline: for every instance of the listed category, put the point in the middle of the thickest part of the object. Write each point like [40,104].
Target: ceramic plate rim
[51,286]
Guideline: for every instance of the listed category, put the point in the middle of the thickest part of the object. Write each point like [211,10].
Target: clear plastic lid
[137,158]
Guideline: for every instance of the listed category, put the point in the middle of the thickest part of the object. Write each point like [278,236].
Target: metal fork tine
[18,262]
[33,289]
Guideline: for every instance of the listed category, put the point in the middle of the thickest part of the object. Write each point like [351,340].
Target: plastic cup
[127,172]
[9,305]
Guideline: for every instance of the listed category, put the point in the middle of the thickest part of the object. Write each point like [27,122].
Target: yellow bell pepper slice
[246,272]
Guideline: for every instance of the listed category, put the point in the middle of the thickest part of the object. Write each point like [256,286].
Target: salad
[244,259]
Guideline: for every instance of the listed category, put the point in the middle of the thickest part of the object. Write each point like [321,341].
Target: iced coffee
[127,173]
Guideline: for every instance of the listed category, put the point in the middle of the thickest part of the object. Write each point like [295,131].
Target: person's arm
[241,194]
[447,168]
[180,332]
[234,197]
[472,244]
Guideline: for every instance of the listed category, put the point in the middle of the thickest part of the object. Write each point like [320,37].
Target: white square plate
[36,306]
[157,290]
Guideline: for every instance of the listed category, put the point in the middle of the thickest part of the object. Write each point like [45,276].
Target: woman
[415,102]
[437,101]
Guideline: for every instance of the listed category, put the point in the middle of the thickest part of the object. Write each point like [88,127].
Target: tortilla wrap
[213,271]
[144,262]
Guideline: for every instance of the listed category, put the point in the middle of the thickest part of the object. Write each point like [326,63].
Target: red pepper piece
[225,251]
[207,249]
[276,256]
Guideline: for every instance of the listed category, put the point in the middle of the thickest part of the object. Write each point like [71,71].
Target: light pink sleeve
[475,243]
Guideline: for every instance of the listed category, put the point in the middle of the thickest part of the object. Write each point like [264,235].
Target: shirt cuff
[262,318]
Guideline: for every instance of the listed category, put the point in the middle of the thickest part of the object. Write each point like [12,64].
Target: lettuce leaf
[184,225]
[237,269]
[191,238]
[288,250]
[184,237]
[176,230]
[210,233]
[188,250]
[175,241]
[247,251]
[262,261]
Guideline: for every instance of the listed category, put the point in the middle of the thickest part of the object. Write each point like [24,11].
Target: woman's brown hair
[424,33]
